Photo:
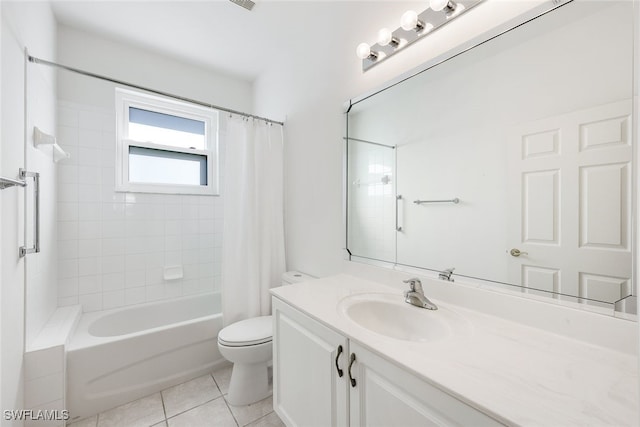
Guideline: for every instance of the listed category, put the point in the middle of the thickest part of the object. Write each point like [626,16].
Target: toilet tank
[291,277]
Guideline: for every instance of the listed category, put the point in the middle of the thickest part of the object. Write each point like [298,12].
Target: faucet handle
[415,284]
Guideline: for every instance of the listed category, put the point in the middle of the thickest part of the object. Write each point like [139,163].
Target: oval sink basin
[389,315]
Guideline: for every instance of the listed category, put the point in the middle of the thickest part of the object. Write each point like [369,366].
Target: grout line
[190,409]
[256,420]
[164,409]
[231,412]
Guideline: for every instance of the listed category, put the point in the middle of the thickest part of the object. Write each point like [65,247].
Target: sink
[388,315]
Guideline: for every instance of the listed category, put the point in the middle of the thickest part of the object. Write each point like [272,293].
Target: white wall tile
[89,192]
[67,287]
[89,229]
[90,120]
[89,284]
[89,266]
[88,248]
[67,211]
[67,174]
[67,268]
[114,246]
[113,299]
[89,211]
[67,192]
[67,116]
[67,249]
[90,138]
[89,156]
[112,281]
[112,264]
[92,302]
[134,295]
[135,262]
[135,278]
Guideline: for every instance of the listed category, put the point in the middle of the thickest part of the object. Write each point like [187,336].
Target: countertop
[517,374]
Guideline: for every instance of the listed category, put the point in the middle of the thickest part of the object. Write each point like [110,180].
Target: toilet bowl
[248,345]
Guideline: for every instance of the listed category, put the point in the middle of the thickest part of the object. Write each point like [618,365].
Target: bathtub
[120,355]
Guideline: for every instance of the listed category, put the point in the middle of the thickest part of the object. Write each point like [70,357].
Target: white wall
[24,25]
[310,95]
[113,246]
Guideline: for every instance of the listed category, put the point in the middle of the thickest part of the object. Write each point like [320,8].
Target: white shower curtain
[253,257]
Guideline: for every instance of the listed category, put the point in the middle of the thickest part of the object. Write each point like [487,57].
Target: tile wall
[113,246]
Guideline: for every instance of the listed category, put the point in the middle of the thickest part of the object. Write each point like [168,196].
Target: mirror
[511,162]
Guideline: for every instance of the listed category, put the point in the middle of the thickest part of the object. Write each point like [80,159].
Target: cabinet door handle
[340,372]
[351,360]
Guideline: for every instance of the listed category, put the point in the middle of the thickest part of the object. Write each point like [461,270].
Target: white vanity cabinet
[307,387]
[372,391]
[387,395]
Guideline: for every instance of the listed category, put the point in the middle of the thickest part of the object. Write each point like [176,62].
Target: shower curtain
[253,255]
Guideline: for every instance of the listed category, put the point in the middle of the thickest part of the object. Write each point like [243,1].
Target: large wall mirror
[512,162]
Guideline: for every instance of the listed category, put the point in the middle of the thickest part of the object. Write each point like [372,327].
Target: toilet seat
[248,332]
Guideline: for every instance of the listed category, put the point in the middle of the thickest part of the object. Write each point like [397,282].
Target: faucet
[415,295]
[446,274]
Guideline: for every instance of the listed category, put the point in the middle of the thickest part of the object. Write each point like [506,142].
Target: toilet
[248,345]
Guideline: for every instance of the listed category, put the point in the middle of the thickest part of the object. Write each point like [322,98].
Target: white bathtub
[120,355]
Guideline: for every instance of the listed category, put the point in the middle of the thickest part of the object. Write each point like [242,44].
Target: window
[165,146]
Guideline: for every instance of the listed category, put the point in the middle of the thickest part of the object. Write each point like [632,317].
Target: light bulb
[438,5]
[384,37]
[409,20]
[363,51]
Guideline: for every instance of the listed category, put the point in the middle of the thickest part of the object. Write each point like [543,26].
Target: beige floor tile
[139,413]
[249,413]
[223,377]
[270,420]
[162,424]
[214,413]
[87,422]
[188,395]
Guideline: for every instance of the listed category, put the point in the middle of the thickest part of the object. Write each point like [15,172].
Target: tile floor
[197,403]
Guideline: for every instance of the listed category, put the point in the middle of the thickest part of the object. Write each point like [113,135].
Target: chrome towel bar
[24,250]
[420,202]
[8,182]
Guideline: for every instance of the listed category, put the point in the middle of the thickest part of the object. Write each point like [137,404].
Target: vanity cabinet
[307,387]
[320,378]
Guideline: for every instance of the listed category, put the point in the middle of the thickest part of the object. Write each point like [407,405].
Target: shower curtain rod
[157,92]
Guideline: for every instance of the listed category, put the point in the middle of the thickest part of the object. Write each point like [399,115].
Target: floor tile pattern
[200,402]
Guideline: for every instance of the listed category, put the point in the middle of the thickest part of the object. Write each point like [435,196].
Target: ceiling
[223,36]
[215,34]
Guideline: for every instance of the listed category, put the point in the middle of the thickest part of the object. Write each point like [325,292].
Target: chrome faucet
[415,295]
[446,274]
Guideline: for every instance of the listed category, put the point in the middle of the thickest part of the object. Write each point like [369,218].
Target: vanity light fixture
[409,21]
[413,27]
[438,5]
[364,52]
[385,37]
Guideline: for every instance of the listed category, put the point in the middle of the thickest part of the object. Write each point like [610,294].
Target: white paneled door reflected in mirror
[531,132]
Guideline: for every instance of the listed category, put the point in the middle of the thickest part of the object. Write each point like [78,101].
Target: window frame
[127,98]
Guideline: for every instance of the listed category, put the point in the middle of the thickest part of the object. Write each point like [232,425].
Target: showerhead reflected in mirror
[532,133]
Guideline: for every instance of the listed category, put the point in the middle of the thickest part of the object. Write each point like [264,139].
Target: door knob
[516,252]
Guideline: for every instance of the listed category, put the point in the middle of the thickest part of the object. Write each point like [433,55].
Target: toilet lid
[256,330]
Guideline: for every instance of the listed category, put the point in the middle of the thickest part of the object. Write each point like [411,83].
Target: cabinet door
[386,395]
[307,389]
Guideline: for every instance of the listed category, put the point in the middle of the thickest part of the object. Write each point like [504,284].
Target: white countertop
[515,373]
